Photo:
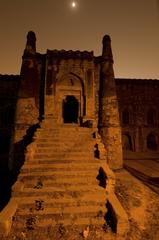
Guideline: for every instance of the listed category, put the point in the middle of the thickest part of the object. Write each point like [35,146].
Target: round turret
[31,42]
[107,51]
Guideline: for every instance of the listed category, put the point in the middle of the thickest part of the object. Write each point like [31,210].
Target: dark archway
[151,142]
[127,142]
[70,109]
[151,117]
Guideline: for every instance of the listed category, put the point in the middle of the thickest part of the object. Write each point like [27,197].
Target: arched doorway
[151,142]
[69,102]
[70,110]
[151,117]
[127,142]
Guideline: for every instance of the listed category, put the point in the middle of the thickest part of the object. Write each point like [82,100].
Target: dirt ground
[141,205]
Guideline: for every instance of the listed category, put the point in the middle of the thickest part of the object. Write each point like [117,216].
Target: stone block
[119,215]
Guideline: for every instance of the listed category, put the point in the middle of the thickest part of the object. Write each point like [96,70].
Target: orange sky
[132,25]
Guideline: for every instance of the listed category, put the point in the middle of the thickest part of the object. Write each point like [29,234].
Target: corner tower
[27,111]
[109,124]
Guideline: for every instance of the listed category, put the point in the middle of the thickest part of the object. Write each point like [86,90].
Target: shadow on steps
[8,177]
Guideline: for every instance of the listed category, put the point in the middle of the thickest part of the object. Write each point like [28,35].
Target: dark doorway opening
[127,143]
[151,142]
[70,110]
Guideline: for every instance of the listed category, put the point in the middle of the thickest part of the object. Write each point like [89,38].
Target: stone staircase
[58,190]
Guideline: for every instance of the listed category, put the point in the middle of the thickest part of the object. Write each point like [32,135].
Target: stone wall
[69,73]
[139,115]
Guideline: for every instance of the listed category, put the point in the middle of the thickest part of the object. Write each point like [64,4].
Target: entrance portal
[70,110]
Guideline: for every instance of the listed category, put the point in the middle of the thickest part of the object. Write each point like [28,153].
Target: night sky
[132,25]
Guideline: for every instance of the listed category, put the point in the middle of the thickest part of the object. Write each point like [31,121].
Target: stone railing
[119,218]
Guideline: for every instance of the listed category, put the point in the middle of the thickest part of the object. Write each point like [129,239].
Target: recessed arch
[152,141]
[70,98]
[127,142]
[151,117]
[71,79]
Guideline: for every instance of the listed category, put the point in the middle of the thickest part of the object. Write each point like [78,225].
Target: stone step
[43,169]
[75,165]
[63,133]
[65,211]
[65,129]
[72,166]
[64,146]
[61,156]
[48,184]
[77,151]
[63,161]
[56,171]
[34,179]
[64,188]
[56,192]
[64,149]
[63,141]
[61,174]
[41,223]
[95,197]
[60,145]
[64,138]
[88,135]
[38,183]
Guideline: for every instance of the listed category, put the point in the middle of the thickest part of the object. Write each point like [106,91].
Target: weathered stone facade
[61,86]
[138,107]
[77,87]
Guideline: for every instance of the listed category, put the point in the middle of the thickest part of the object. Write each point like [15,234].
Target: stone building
[139,116]
[75,87]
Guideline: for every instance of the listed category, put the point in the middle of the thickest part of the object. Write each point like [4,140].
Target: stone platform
[144,166]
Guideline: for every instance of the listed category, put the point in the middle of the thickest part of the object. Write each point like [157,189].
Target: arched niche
[127,142]
[69,92]
[151,117]
[152,141]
